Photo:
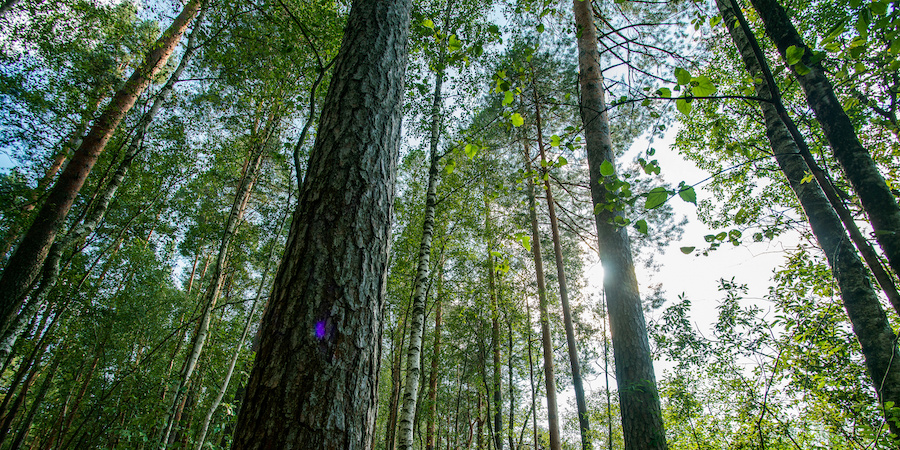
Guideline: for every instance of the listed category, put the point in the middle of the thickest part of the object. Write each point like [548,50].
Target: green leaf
[704,86]
[450,167]
[454,43]
[427,23]
[525,240]
[656,197]
[561,161]
[641,226]
[878,8]
[682,76]
[554,141]
[794,54]
[801,69]
[713,21]
[607,169]
[471,150]
[687,250]
[664,92]
[494,29]
[806,179]
[508,98]
[517,120]
[683,106]
[688,195]
[540,28]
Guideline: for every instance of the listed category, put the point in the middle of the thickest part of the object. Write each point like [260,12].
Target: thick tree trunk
[583,421]
[874,194]
[642,422]
[433,378]
[241,198]
[867,318]
[546,339]
[417,319]
[25,264]
[314,384]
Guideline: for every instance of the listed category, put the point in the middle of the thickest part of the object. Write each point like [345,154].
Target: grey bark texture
[642,424]
[314,382]
[868,319]
[855,160]
[423,271]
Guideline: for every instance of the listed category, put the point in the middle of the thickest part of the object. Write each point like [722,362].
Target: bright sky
[694,275]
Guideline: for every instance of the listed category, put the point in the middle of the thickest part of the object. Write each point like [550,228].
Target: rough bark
[642,423]
[25,263]
[423,271]
[583,421]
[546,339]
[868,319]
[314,383]
[241,198]
[855,160]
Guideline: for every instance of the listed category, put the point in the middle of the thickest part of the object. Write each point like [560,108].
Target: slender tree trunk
[433,380]
[82,230]
[867,318]
[417,319]
[241,198]
[874,194]
[25,264]
[9,411]
[32,359]
[512,398]
[642,422]
[25,427]
[390,438]
[76,404]
[546,339]
[531,373]
[320,347]
[204,427]
[480,420]
[583,421]
[497,430]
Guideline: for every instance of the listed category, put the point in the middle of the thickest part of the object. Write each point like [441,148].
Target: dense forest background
[152,155]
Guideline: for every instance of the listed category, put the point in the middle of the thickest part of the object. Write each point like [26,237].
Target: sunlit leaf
[607,169]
